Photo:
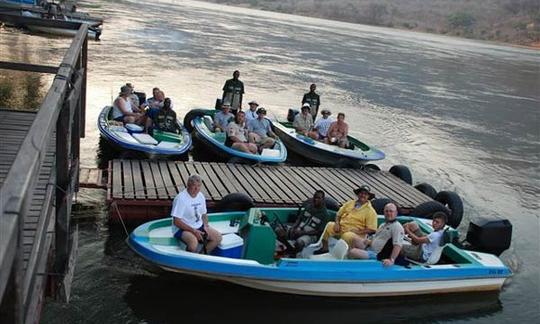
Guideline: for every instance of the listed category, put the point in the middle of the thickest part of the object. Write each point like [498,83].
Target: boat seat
[310,249]
[339,252]
[209,123]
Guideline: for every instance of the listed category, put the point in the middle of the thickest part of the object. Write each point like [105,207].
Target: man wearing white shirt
[323,125]
[423,245]
[190,219]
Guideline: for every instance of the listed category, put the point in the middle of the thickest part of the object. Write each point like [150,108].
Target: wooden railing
[61,115]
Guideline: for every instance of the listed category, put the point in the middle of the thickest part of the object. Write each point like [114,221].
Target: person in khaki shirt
[303,123]
[390,233]
[355,219]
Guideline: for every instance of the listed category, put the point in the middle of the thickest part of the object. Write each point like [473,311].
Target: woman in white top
[122,108]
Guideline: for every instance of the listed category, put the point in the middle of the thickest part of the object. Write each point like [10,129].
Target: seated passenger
[123,110]
[338,131]
[190,219]
[260,131]
[308,226]
[251,113]
[223,118]
[166,118]
[135,102]
[423,245]
[303,122]
[322,125]
[387,242]
[355,219]
[237,135]
[154,106]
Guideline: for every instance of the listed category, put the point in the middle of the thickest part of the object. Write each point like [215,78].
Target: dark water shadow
[169,298]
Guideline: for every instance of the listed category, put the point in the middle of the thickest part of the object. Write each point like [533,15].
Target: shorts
[152,113]
[371,255]
[178,234]
[120,118]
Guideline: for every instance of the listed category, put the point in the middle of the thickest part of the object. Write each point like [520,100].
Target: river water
[463,115]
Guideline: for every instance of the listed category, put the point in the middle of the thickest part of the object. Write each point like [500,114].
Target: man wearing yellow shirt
[356,218]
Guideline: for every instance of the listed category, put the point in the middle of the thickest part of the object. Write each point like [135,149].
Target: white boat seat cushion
[145,138]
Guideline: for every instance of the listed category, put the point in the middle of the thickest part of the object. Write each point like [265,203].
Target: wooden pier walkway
[39,170]
[143,189]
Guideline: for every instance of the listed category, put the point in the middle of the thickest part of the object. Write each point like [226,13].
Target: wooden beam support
[28,67]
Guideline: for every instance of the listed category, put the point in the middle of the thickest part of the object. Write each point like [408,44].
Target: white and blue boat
[202,126]
[247,257]
[130,137]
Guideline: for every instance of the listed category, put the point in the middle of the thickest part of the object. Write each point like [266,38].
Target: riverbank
[510,21]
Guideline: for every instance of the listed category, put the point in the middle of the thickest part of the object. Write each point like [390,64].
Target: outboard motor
[291,114]
[489,234]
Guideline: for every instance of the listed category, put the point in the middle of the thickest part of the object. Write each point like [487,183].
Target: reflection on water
[159,298]
[463,115]
[21,90]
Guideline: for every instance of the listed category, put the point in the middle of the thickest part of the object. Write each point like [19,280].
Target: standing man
[189,218]
[233,90]
[387,242]
[355,219]
[313,99]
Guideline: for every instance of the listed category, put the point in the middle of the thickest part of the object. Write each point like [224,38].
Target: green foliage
[375,12]
[6,92]
[461,20]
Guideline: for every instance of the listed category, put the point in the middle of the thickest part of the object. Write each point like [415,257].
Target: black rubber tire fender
[379,203]
[451,200]
[402,172]
[192,114]
[236,201]
[426,189]
[371,166]
[428,208]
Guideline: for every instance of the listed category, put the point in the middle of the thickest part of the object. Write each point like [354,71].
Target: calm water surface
[463,115]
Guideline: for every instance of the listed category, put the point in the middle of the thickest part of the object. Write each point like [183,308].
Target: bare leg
[214,238]
[190,240]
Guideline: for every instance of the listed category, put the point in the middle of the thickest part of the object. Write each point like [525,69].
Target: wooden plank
[84,175]
[180,166]
[117,186]
[28,67]
[229,178]
[148,180]
[321,177]
[166,175]
[287,194]
[129,191]
[245,179]
[291,181]
[221,190]
[158,180]
[140,192]
[273,194]
[176,176]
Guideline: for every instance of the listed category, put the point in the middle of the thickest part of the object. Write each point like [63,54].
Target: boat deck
[144,189]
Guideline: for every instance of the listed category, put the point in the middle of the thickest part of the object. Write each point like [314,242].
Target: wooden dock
[143,189]
[39,169]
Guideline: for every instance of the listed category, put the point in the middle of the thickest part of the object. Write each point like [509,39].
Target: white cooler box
[230,247]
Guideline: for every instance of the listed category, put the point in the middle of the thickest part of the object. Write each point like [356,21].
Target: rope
[121,218]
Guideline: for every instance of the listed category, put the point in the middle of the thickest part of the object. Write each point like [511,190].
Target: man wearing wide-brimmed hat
[252,112]
[303,122]
[355,219]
